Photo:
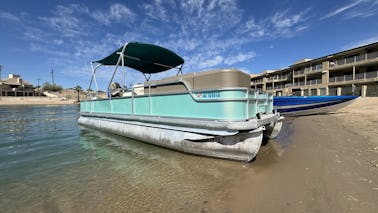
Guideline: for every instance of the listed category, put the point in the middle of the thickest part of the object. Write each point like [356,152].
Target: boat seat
[208,80]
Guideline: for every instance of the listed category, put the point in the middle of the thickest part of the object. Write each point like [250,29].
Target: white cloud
[241,57]
[30,35]
[9,16]
[37,47]
[282,20]
[342,9]
[253,29]
[202,17]
[211,62]
[301,28]
[156,10]
[68,25]
[119,11]
[281,24]
[360,43]
[116,13]
[359,8]
[66,22]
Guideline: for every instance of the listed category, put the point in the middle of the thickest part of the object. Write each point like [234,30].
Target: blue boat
[309,105]
[213,113]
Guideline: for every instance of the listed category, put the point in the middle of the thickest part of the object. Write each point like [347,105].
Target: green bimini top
[146,58]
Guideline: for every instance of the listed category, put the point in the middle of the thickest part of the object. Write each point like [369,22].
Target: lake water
[50,164]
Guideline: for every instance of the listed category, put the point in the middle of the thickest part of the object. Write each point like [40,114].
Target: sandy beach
[322,163]
[35,101]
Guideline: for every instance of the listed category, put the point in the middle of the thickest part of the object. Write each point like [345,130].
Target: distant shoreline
[32,100]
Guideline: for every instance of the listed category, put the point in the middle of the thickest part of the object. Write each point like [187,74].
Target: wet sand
[327,163]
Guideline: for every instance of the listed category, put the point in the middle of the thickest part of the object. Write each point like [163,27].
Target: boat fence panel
[141,105]
[122,106]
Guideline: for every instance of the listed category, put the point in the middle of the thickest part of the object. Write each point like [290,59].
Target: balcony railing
[277,77]
[358,76]
[372,55]
[298,72]
[257,81]
[316,67]
[340,78]
[299,83]
[373,74]
[279,87]
[354,59]
[314,82]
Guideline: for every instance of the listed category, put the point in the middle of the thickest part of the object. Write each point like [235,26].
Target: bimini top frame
[146,58]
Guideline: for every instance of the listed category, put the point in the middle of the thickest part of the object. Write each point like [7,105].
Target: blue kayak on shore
[308,105]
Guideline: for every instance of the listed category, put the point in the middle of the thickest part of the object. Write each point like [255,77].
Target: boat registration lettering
[208,95]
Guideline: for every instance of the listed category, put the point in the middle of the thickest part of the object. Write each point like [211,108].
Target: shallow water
[50,164]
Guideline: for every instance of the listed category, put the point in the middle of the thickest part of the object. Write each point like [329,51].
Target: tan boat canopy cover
[146,58]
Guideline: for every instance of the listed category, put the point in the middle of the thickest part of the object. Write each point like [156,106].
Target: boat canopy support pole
[93,78]
[123,73]
[147,76]
[180,69]
[120,60]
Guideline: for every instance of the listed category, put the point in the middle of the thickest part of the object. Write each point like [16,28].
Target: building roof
[15,82]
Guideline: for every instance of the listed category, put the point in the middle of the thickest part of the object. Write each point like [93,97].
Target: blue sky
[36,36]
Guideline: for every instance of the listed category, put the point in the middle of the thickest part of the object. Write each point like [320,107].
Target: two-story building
[14,85]
[350,72]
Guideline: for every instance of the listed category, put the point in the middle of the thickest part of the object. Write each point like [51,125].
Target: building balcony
[279,87]
[366,76]
[299,73]
[314,69]
[277,78]
[314,82]
[299,83]
[317,71]
[354,60]
[341,78]
[257,81]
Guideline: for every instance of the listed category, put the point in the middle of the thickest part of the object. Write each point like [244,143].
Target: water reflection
[186,181]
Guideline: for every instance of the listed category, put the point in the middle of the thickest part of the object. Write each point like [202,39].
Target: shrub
[51,87]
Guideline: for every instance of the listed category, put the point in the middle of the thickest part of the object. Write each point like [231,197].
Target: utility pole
[0,71]
[38,89]
[52,76]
